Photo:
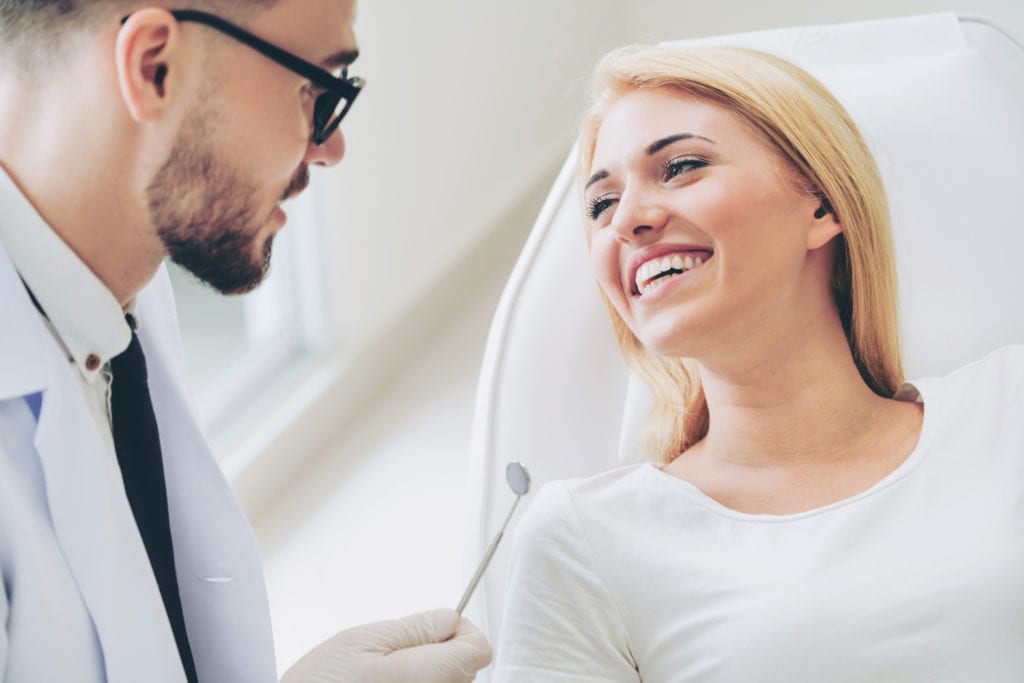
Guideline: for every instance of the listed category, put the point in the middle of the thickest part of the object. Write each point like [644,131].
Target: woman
[812,517]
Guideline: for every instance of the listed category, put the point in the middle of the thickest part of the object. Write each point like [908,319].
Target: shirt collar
[84,313]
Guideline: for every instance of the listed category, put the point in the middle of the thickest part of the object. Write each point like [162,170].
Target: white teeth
[647,272]
[657,283]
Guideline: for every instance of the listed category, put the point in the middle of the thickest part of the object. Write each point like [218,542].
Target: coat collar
[87,318]
[22,359]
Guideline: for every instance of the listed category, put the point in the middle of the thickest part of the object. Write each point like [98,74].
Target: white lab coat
[79,602]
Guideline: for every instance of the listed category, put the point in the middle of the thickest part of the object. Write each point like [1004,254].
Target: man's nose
[329,153]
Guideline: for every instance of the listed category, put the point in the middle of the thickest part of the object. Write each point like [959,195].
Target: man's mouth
[659,270]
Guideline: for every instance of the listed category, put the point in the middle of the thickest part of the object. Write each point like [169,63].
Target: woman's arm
[561,623]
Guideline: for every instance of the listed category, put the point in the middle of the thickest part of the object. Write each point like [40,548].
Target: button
[92,362]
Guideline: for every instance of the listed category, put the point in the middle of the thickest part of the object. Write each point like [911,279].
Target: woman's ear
[825,225]
[147,68]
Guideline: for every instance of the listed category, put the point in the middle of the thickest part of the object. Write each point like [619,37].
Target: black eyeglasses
[331,105]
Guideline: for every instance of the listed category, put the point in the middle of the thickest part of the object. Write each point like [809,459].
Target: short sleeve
[561,623]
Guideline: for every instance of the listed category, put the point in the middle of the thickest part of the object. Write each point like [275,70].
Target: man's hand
[430,647]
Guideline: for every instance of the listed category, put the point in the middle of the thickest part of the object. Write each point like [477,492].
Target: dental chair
[940,101]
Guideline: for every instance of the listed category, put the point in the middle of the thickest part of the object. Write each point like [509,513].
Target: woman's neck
[800,402]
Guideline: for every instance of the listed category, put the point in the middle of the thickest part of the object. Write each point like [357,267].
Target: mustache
[297,184]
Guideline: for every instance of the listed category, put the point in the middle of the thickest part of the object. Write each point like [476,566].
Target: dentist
[130,133]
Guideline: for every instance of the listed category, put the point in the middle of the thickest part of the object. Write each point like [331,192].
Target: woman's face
[700,236]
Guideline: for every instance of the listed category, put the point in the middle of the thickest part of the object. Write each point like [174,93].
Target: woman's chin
[673,336]
[671,346]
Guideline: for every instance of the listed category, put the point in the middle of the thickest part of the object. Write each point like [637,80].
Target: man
[130,132]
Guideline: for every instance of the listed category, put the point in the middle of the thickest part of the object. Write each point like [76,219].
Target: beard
[206,215]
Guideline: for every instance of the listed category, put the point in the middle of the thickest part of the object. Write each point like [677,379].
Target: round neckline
[929,425]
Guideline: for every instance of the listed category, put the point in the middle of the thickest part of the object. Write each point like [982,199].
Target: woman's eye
[681,165]
[597,205]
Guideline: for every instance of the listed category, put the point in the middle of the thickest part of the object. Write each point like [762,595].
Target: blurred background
[339,396]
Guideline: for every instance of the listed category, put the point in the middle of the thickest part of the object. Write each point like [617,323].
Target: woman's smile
[654,278]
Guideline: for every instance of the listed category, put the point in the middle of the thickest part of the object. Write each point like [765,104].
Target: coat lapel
[220,576]
[88,509]
[96,530]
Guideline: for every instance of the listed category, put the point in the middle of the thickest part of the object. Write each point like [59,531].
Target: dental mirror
[519,481]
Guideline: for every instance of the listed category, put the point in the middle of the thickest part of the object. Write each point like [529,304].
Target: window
[236,345]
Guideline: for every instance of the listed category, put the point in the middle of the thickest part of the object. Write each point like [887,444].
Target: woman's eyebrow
[661,144]
[600,175]
[653,148]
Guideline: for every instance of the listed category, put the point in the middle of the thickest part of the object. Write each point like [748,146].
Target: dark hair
[35,27]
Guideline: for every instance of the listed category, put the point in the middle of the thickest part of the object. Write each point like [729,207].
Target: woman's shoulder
[1006,362]
[565,503]
[968,401]
[999,376]
[613,483]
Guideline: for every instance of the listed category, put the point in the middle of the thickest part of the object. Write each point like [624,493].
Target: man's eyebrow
[342,58]
[661,144]
[600,175]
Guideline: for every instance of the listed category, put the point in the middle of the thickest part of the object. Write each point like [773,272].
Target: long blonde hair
[811,131]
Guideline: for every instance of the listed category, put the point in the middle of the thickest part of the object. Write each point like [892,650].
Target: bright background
[339,396]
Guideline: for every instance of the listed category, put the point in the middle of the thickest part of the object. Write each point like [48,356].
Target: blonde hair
[812,132]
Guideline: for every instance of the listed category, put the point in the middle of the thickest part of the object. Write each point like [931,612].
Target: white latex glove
[430,647]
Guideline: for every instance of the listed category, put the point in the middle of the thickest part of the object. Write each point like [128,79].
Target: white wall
[467,105]
[469,108]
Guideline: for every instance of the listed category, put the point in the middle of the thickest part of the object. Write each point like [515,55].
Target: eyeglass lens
[327,114]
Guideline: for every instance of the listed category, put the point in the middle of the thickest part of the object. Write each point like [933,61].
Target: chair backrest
[940,100]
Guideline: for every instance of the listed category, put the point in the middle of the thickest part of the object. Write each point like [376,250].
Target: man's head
[216,132]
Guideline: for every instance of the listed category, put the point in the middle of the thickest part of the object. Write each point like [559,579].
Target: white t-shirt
[637,575]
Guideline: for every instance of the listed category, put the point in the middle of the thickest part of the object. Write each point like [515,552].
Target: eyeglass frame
[334,88]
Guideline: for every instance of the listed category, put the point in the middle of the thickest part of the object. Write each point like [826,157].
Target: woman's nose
[637,217]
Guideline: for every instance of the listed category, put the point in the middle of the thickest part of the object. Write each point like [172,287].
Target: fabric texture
[635,575]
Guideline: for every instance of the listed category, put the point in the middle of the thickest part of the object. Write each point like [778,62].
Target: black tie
[137,442]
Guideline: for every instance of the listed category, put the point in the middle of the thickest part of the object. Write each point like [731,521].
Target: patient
[812,517]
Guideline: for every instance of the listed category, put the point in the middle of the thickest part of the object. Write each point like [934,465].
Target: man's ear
[146,54]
